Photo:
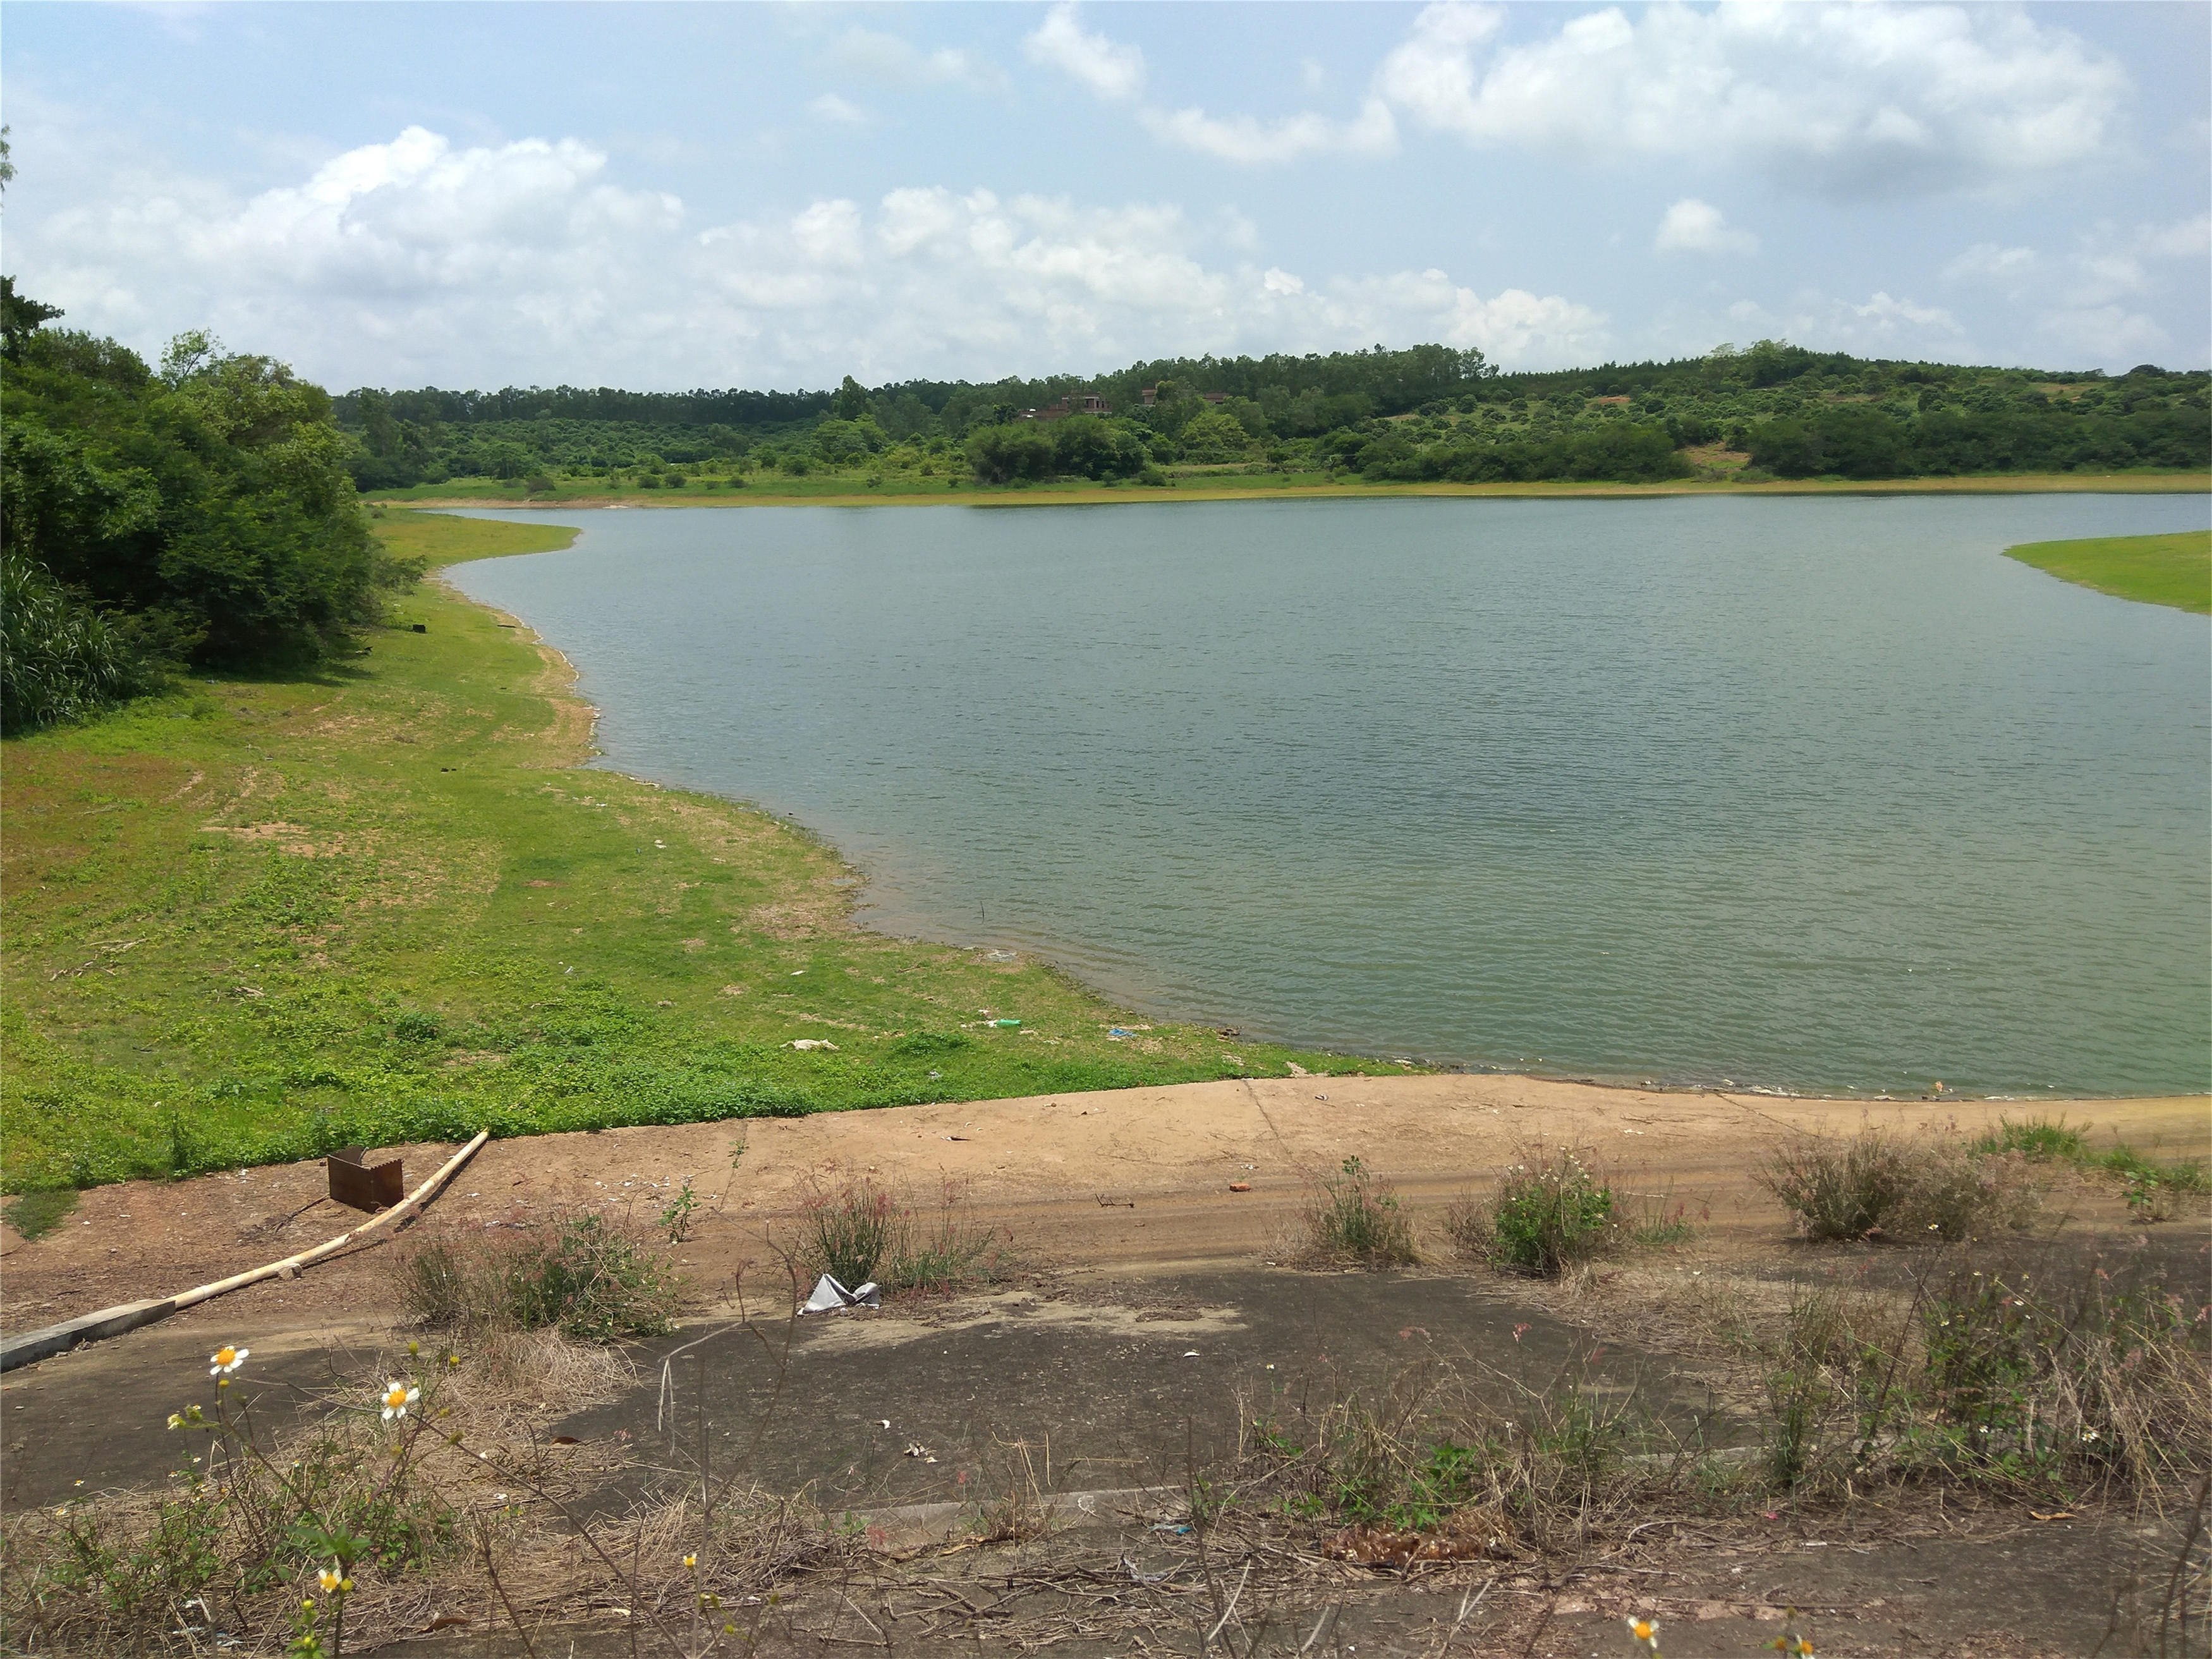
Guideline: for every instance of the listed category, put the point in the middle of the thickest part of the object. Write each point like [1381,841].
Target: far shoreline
[1208,490]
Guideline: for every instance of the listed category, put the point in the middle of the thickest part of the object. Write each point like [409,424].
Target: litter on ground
[830,1297]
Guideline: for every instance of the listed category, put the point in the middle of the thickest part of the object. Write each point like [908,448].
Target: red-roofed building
[1084,404]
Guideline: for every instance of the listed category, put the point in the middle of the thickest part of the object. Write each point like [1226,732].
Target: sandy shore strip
[1124,1181]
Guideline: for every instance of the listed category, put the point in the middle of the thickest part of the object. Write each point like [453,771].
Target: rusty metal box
[364,1186]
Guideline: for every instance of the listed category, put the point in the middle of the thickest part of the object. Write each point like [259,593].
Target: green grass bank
[254,919]
[2175,569]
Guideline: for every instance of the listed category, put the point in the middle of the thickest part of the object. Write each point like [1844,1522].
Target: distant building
[1150,393]
[1083,403]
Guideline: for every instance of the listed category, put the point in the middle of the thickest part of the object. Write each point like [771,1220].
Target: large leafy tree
[204,512]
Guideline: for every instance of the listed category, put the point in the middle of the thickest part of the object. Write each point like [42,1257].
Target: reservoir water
[1809,792]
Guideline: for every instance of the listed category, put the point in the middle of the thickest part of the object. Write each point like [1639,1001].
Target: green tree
[1216,436]
[19,318]
[851,403]
[207,512]
[1001,455]
[1096,449]
[843,443]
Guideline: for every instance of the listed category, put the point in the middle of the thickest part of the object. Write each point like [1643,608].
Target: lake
[1799,792]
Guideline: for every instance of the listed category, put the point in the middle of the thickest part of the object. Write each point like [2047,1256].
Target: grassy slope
[260,917]
[1236,485]
[2175,569]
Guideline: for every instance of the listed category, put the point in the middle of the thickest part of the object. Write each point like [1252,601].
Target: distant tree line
[1427,412]
[201,513]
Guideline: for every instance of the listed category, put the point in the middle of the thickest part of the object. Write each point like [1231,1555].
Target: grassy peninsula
[2174,570]
[263,915]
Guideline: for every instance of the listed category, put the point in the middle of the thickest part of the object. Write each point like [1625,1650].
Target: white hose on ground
[129,1316]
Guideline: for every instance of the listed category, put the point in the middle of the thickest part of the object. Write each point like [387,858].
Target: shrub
[1877,1184]
[60,659]
[1549,1211]
[579,1274]
[1354,1215]
[2150,1187]
[1845,1192]
[2037,1138]
[850,1229]
[947,1249]
[2094,1379]
[858,1231]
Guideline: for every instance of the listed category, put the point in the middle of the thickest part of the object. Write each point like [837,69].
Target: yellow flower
[1645,1631]
[223,1361]
[690,1560]
[397,1397]
[329,1578]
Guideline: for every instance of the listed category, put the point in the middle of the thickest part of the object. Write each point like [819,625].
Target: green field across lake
[2174,570]
[258,918]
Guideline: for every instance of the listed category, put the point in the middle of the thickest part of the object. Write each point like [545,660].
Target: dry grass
[227,1551]
[591,1276]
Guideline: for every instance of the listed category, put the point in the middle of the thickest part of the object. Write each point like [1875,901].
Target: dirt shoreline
[1127,1181]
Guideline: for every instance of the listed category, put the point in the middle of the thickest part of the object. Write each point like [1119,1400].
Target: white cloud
[1252,143]
[1882,325]
[420,260]
[1849,100]
[1694,227]
[1995,266]
[2187,238]
[2105,335]
[1515,328]
[897,61]
[830,107]
[1111,71]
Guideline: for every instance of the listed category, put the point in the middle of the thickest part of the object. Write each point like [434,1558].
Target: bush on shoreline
[1354,1215]
[1550,1209]
[1903,1187]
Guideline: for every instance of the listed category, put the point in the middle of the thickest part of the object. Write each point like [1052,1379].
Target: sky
[663,196]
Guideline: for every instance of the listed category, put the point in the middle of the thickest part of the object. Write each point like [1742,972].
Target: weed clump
[2042,1138]
[581,1274]
[859,1231]
[1550,1211]
[37,1212]
[2081,1380]
[2092,1379]
[1435,1466]
[1879,1185]
[1354,1215]
[2150,1187]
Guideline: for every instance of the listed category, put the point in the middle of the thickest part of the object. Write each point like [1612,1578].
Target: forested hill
[1427,412]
